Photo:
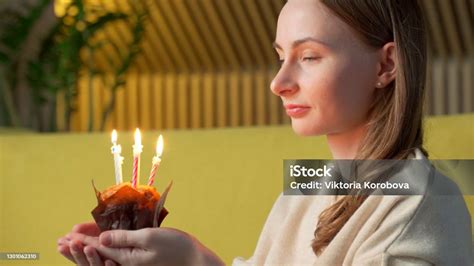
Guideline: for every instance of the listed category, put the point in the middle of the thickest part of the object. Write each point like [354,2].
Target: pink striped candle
[156,160]
[137,150]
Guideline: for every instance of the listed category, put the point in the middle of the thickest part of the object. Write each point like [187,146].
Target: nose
[283,84]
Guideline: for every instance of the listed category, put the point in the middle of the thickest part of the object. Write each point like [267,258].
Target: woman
[355,72]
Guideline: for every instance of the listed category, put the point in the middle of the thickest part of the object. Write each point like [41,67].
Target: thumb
[121,238]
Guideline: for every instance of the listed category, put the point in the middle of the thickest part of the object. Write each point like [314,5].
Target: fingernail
[106,239]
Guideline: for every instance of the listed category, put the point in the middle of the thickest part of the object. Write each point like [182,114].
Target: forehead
[301,19]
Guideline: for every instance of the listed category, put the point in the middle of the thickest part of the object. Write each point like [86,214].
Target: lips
[296,110]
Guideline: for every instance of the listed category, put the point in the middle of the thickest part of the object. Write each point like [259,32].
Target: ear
[387,67]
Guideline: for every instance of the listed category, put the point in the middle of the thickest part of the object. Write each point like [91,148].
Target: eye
[310,59]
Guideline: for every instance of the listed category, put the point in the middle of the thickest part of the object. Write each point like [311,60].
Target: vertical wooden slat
[158,101]
[96,102]
[121,122]
[222,103]
[196,100]
[274,102]
[234,99]
[183,99]
[170,101]
[60,110]
[438,87]
[106,97]
[260,98]
[428,89]
[83,103]
[75,122]
[131,92]
[453,87]
[468,94]
[247,99]
[144,88]
[209,96]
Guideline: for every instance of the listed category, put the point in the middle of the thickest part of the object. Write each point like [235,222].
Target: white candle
[156,160]
[118,160]
[137,150]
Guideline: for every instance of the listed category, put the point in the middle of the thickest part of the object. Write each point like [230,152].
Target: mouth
[296,110]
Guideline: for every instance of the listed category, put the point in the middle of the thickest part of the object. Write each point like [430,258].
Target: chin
[305,129]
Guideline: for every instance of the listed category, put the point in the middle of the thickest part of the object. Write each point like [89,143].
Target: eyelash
[308,59]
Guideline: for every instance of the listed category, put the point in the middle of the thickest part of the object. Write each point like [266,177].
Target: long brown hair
[394,127]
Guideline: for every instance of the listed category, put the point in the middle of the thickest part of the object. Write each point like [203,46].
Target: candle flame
[138,139]
[159,146]
[114,136]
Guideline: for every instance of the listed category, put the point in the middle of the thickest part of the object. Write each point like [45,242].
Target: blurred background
[94,65]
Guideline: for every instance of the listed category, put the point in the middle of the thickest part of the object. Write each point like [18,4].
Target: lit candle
[137,150]
[118,160]
[156,160]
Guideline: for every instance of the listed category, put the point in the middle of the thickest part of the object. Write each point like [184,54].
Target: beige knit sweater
[429,229]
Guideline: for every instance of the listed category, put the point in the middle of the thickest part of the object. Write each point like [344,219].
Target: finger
[85,239]
[110,263]
[92,256]
[121,256]
[90,228]
[65,251]
[78,254]
[63,241]
[124,238]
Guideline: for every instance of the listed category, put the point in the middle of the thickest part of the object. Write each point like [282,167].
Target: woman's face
[327,77]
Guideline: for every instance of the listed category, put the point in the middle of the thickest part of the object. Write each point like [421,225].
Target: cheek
[352,93]
[340,94]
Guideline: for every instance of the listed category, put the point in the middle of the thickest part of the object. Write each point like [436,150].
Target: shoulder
[433,225]
[439,230]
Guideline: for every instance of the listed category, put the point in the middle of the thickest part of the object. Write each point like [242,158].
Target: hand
[73,249]
[151,246]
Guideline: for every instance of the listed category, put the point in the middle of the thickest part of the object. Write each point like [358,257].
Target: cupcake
[125,207]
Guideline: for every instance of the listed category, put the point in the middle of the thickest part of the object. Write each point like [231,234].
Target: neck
[344,145]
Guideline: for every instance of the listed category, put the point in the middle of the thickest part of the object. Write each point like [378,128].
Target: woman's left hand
[150,246]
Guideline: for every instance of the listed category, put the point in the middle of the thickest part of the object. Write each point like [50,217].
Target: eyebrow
[300,42]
